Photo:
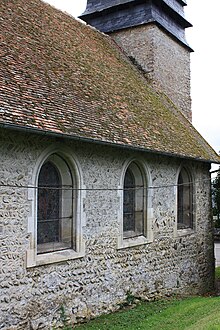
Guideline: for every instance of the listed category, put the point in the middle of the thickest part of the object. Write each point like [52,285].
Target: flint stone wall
[31,298]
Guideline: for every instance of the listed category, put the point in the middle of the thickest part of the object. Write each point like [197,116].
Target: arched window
[55,206]
[185,200]
[134,203]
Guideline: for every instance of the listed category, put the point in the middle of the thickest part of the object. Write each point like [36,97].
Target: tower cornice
[115,15]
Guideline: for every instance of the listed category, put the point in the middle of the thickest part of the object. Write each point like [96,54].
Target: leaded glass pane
[129,202]
[134,203]
[185,201]
[49,200]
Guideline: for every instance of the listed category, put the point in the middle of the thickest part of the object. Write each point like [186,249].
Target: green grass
[198,313]
[195,313]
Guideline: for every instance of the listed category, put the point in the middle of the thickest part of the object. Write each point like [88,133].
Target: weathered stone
[31,298]
[165,61]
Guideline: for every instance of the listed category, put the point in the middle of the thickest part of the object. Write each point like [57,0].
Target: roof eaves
[48,133]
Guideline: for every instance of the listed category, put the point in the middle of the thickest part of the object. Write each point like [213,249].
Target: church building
[104,181]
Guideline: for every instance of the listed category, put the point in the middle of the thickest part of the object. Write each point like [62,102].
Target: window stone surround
[34,259]
[148,211]
[186,231]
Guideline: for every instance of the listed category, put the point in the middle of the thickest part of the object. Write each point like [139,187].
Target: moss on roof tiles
[63,76]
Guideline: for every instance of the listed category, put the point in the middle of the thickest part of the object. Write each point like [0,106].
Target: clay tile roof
[59,75]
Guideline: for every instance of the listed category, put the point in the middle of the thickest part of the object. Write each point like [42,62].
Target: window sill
[34,260]
[184,232]
[131,242]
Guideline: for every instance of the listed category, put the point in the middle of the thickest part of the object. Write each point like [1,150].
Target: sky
[205,62]
[203,37]
[73,7]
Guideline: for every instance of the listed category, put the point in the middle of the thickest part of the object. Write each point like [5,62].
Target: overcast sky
[205,62]
[203,37]
[73,7]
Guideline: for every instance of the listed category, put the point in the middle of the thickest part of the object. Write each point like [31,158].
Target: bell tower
[152,34]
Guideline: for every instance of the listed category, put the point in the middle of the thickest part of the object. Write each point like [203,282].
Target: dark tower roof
[113,15]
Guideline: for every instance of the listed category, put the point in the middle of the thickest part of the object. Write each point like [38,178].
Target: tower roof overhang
[116,15]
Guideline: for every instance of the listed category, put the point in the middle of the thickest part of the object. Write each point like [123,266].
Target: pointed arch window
[185,200]
[134,202]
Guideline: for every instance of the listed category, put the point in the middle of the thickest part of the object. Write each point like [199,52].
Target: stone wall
[31,298]
[165,61]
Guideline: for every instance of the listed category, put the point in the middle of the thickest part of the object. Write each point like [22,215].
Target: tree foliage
[216,197]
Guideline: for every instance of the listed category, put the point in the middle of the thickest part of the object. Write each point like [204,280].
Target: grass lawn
[196,313]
